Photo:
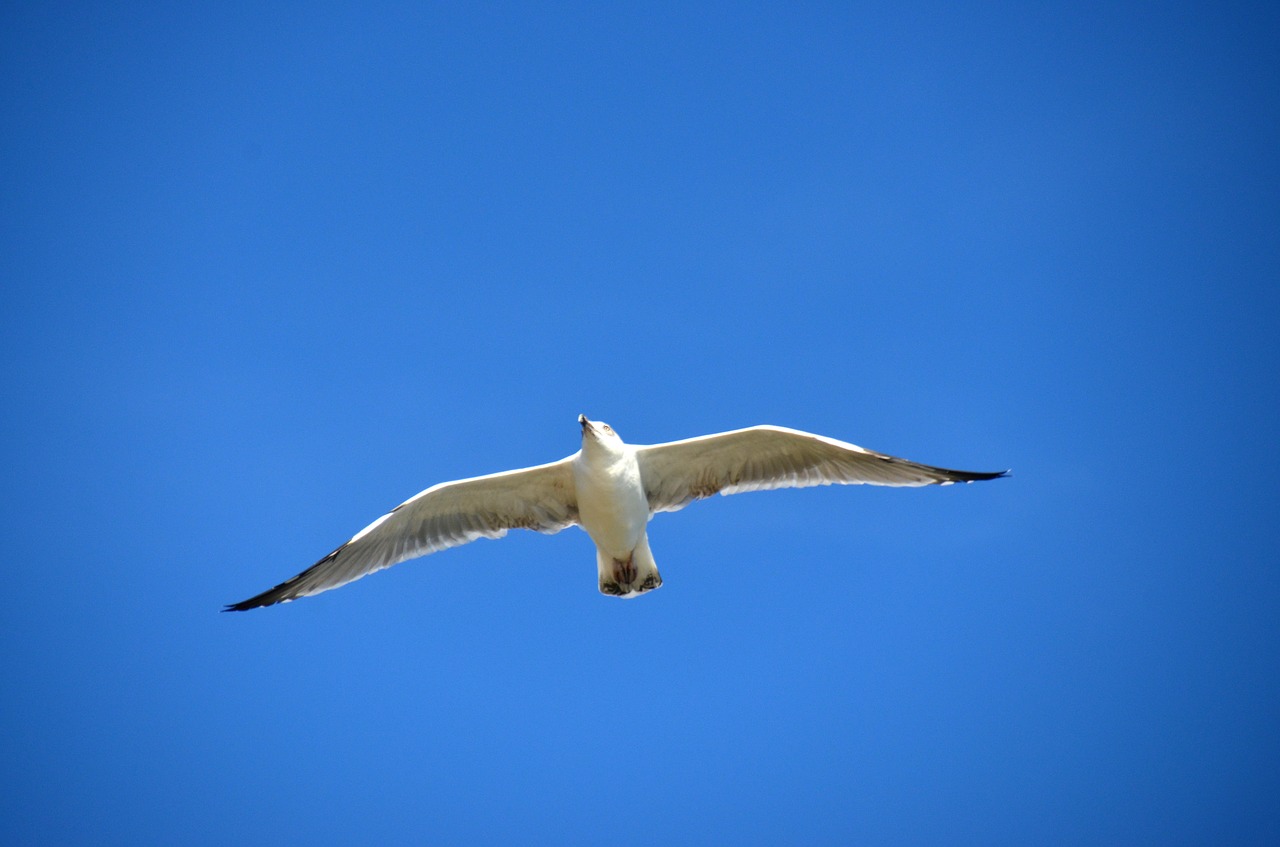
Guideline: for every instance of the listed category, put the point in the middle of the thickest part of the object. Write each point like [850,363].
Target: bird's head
[597,432]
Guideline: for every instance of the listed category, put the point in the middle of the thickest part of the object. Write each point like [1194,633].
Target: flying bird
[611,489]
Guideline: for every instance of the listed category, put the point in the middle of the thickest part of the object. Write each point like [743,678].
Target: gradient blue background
[270,270]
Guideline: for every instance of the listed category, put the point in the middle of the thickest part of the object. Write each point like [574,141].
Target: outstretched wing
[446,515]
[763,457]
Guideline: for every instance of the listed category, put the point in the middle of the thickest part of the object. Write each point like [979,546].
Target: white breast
[612,506]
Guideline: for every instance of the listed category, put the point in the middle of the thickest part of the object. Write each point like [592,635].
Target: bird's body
[611,489]
[614,511]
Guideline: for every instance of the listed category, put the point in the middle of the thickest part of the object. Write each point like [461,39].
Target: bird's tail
[629,577]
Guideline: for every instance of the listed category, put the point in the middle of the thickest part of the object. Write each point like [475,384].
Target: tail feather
[629,577]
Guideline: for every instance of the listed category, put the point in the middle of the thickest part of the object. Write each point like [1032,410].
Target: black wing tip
[284,592]
[978,476]
[258,602]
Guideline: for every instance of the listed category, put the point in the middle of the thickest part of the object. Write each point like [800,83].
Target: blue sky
[271,269]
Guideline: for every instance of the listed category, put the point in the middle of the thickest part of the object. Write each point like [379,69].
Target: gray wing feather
[540,498]
[765,457]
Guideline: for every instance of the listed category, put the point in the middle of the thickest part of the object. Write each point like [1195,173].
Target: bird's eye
[608,429]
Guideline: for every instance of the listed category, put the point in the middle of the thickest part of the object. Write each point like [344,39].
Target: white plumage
[610,489]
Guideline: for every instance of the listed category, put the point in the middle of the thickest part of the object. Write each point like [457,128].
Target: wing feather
[766,457]
[447,515]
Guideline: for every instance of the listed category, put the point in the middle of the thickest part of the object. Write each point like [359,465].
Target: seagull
[611,489]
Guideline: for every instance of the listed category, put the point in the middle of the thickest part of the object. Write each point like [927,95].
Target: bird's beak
[582,420]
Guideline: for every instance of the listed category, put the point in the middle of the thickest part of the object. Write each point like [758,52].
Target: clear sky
[269,270]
